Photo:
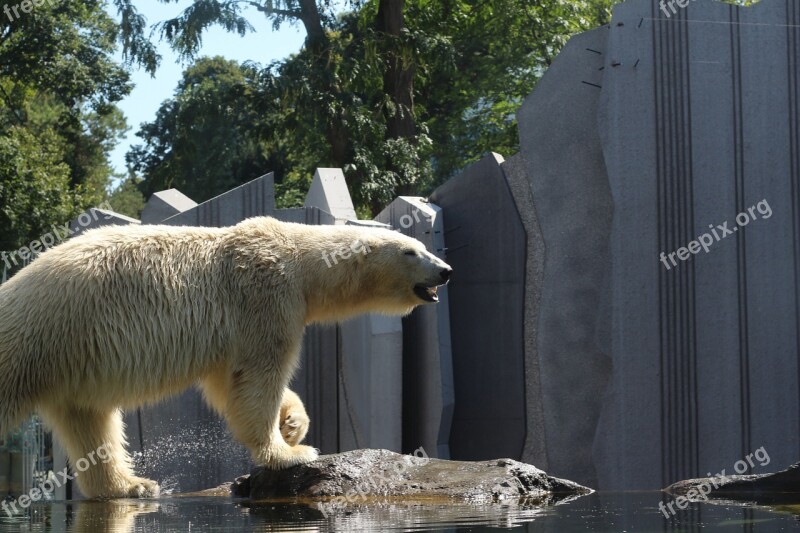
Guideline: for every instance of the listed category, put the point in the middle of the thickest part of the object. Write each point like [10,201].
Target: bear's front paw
[294,427]
[296,455]
[138,487]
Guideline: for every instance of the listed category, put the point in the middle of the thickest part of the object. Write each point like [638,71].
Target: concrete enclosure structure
[625,305]
[641,138]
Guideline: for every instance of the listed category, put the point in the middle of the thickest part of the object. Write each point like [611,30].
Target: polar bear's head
[371,270]
[409,273]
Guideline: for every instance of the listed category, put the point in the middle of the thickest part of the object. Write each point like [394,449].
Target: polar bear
[124,316]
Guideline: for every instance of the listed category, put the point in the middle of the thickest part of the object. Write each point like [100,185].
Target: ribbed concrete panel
[486,246]
[255,198]
[371,383]
[427,354]
[699,118]
[572,202]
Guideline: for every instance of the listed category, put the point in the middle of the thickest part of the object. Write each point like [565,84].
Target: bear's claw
[294,427]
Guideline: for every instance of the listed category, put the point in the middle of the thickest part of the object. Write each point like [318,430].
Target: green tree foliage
[35,187]
[497,51]
[58,121]
[399,93]
[204,140]
[126,198]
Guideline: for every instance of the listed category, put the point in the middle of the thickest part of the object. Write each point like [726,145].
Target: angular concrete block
[560,145]
[255,198]
[164,204]
[487,247]
[427,358]
[329,192]
[535,448]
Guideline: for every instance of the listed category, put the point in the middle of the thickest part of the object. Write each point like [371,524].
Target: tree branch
[288,13]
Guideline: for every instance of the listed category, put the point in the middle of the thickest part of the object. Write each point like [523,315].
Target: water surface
[600,512]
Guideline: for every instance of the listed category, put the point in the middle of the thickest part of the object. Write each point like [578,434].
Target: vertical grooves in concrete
[738,128]
[675,203]
[793,30]
[690,441]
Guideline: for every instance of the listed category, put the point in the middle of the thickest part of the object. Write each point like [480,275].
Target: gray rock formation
[763,489]
[363,475]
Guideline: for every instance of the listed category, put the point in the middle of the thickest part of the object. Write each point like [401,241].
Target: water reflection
[612,512]
[110,517]
[385,516]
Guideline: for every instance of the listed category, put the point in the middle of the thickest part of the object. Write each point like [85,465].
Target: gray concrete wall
[428,390]
[487,247]
[370,383]
[535,450]
[699,119]
[561,149]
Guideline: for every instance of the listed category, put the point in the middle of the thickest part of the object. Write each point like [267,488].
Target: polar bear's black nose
[446,274]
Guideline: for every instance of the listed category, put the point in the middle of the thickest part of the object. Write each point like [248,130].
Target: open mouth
[427,294]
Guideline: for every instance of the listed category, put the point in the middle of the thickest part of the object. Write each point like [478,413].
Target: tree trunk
[318,43]
[398,78]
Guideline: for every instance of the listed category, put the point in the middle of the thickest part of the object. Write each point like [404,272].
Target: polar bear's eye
[410,252]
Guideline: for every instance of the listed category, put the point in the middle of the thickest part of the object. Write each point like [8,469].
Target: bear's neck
[336,289]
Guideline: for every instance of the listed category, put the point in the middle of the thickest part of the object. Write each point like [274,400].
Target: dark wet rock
[765,489]
[379,474]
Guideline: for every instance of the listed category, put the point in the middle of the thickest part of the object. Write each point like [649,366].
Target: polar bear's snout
[439,274]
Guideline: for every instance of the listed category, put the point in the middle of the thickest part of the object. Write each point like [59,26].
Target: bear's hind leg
[94,440]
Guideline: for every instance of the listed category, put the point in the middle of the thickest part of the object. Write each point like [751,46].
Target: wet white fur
[123,316]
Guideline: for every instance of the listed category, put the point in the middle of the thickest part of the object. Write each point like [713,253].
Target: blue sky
[262,45]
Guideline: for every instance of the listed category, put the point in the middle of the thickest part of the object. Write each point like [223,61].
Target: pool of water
[612,512]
